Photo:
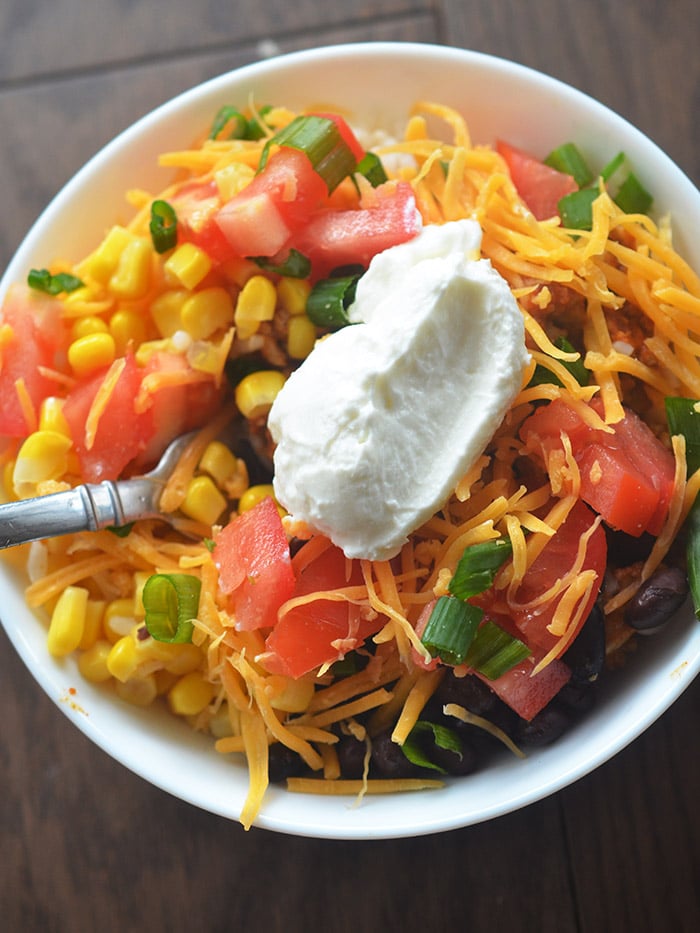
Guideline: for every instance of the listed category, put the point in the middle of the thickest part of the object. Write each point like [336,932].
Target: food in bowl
[351,657]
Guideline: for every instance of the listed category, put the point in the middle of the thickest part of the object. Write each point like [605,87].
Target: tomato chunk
[335,238]
[626,476]
[323,630]
[262,217]
[121,432]
[540,186]
[525,694]
[252,556]
[196,206]
[32,334]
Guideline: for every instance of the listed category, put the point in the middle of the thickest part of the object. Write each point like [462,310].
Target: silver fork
[90,506]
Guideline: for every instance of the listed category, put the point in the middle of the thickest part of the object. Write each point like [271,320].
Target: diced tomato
[121,433]
[346,133]
[556,558]
[626,476]
[32,334]
[196,206]
[260,219]
[175,408]
[255,569]
[335,238]
[540,186]
[525,694]
[320,631]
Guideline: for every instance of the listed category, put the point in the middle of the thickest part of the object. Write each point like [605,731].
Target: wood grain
[85,844]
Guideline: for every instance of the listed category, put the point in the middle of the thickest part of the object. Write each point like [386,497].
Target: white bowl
[376,84]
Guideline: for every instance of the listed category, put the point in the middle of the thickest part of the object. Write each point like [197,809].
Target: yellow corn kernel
[67,621]
[166,311]
[118,619]
[219,461]
[102,263]
[123,659]
[256,303]
[42,457]
[206,312]
[92,662]
[188,265]
[127,327]
[186,659]
[190,695]
[94,613]
[88,324]
[289,695]
[256,392]
[203,501]
[293,294]
[140,691]
[132,277]
[255,494]
[233,178]
[51,417]
[91,352]
[301,337]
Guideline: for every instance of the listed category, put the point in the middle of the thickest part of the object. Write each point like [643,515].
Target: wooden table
[86,845]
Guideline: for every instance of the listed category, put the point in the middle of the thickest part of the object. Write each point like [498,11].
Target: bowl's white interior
[375,85]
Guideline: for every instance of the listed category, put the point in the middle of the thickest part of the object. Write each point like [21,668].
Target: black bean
[351,756]
[389,760]
[576,697]
[283,763]
[586,654]
[657,599]
[624,549]
[544,728]
[469,692]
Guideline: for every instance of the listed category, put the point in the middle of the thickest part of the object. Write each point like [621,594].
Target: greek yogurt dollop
[379,423]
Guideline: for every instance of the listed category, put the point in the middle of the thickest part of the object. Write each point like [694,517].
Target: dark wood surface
[84,844]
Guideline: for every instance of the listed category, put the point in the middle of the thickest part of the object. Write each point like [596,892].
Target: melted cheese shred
[636,307]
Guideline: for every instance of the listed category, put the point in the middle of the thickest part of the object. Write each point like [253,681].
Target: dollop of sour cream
[384,417]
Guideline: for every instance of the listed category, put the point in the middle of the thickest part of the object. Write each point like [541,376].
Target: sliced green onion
[424,732]
[684,418]
[237,126]
[163,226]
[478,566]
[632,197]
[42,281]
[692,553]
[229,118]
[567,158]
[121,531]
[171,601]
[329,300]
[295,265]
[494,651]
[544,376]
[450,629]
[320,139]
[370,166]
[613,166]
[576,209]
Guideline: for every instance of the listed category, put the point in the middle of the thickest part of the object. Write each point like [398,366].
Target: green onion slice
[370,165]
[494,651]
[544,376]
[171,601]
[329,300]
[576,209]
[421,735]
[320,139]
[237,126]
[42,281]
[295,265]
[684,418]
[163,226]
[478,566]
[613,166]
[632,197]
[567,158]
[450,629]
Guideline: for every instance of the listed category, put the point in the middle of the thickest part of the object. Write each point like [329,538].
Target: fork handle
[88,507]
